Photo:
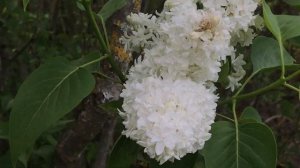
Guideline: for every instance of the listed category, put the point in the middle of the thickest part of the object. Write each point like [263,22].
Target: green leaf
[292,2]
[49,93]
[251,113]
[124,153]
[223,74]
[4,130]
[271,21]
[25,4]
[112,106]
[265,53]
[111,7]
[5,161]
[80,6]
[289,26]
[200,162]
[295,41]
[272,24]
[254,147]
[86,59]
[187,161]
[288,109]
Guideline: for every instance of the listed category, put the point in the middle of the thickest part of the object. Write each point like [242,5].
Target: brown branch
[90,122]
[106,141]
[93,122]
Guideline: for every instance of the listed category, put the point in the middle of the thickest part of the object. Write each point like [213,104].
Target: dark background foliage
[59,28]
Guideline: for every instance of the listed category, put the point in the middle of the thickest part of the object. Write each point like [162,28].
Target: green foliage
[293,2]
[124,153]
[58,86]
[4,130]
[25,3]
[265,53]
[271,21]
[252,145]
[112,106]
[223,75]
[5,161]
[48,94]
[289,26]
[110,8]
[200,162]
[251,113]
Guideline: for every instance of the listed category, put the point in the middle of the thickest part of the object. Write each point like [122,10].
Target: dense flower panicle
[169,118]
[169,98]
[183,47]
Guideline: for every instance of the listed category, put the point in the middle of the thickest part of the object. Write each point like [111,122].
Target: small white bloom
[239,72]
[169,118]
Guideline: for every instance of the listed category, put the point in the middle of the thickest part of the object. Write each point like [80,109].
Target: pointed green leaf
[289,26]
[254,146]
[271,21]
[47,95]
[112,106]
[111,7]
[265,53]
[25,4]
[251,113]
[124,153]
[273,25]
[224,73]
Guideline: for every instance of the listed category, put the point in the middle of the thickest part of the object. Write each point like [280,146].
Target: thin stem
[282,59]
[293,75]
[88,8]
[245,83]
[236,123]
[103,45]
[105,32]
[292,87]
[116,69]
[225,117]
[92,62]
[272,86]
[107,77]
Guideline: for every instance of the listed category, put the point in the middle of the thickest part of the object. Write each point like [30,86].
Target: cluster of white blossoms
[169,98]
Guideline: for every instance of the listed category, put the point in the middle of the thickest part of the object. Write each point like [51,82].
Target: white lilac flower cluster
[169,98]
